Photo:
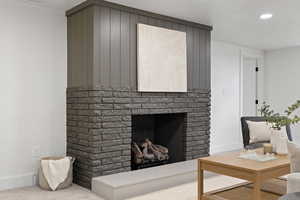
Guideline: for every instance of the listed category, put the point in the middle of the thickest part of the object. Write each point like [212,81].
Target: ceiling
[234,21]
[57,4]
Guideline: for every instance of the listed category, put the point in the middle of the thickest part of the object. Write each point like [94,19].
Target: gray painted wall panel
[190,56]
[196,57]
[114,52]
[104,53]
[133,51]
[202,44]
[153,22]
[208,60]
[89,44]
[97,47]
[80,40]
[125,49]
[143,19]
[70,50]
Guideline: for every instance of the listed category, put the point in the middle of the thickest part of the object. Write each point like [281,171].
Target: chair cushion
[293,183]
[262,131]
[294,154]
[259,131]
[245,129]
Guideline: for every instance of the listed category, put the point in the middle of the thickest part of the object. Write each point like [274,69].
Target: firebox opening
[157,139]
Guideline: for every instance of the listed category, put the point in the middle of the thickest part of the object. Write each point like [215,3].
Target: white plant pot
[281,147]
[274,139]
[279,142]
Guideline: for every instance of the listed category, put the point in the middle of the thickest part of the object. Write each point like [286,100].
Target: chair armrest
[293,183]
[256,145]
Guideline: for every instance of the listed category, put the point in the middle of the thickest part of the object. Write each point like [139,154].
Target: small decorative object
[279,122]
[257,156]
[279,141]
[273,140]
[268,148]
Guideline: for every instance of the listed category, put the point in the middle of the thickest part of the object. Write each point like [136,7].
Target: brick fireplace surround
[102,94]
[99,126]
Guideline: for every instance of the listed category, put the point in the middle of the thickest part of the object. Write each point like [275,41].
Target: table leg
[200,181]
[257,187]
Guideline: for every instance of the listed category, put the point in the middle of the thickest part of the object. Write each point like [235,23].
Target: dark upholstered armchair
[246,136]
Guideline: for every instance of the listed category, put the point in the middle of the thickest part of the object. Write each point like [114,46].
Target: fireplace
[164,132]
[103,124]
[106,112]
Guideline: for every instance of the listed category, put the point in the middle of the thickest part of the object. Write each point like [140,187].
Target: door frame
[259,77]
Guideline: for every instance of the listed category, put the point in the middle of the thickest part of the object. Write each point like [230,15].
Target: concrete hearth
[130,184]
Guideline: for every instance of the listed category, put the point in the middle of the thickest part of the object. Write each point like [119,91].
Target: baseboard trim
[12,182]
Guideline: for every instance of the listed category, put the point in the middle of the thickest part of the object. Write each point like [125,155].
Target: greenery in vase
[278,120]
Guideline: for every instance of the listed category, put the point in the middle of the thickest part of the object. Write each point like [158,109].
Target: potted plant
[277,122]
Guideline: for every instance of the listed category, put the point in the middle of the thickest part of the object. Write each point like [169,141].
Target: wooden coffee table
[230,164]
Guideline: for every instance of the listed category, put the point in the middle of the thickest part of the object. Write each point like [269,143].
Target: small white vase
[274,139]
[281,147]
[279,142]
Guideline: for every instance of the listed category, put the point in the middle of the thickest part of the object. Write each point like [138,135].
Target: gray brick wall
[99,126]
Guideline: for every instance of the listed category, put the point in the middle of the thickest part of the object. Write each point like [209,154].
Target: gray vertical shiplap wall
[103,48]
[80,48]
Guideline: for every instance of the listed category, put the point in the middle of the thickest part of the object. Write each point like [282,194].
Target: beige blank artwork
[162,60]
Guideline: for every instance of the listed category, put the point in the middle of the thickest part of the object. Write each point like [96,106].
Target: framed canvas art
[162,59]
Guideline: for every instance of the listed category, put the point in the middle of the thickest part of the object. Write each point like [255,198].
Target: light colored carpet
[244,193]
[271,190]
[35,193]
[182,192]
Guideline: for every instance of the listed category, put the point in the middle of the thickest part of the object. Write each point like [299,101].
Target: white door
[249,87]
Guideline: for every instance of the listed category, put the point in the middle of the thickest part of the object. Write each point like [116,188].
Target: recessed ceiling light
[266,16]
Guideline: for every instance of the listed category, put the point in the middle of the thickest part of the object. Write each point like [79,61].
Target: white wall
[32,85]
[282,80]
[226,98]
[33,82]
